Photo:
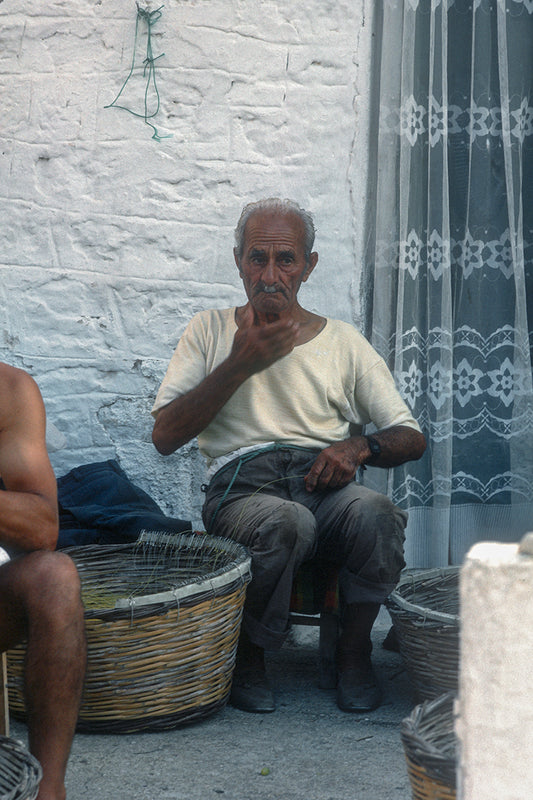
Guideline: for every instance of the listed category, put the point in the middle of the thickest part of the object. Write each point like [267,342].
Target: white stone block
[496,691]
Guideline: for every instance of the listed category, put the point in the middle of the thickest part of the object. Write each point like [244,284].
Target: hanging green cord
[150,17]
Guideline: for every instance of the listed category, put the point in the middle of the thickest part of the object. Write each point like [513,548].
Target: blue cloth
[98,504]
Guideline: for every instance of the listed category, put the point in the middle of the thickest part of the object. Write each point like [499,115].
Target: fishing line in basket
[157,568]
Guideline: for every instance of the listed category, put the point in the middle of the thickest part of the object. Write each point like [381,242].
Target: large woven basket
[425,613]
[20,772]
[430,749]
[162,620]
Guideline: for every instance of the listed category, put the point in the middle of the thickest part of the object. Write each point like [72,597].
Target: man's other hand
[336,466]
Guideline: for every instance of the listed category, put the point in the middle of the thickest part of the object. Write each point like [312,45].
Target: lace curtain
[451,263]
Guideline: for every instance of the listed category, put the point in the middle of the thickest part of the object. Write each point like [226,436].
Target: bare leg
[40,599]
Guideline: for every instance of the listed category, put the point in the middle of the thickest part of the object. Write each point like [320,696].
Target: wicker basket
[425,613]
[20,772]
[162,620]
[430,749]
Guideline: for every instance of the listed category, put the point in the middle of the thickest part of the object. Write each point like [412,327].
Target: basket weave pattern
[430,749]
[424,609]
[20,772]
[162,622]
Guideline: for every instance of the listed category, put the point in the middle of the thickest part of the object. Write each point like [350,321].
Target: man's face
[273,263]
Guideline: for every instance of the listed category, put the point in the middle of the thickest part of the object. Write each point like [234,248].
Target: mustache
[263,288]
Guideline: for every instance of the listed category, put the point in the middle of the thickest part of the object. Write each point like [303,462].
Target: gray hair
[275,204]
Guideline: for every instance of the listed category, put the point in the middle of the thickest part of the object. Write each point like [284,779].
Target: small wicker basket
[162,619]
[20,772]
[424,609]
[430,749]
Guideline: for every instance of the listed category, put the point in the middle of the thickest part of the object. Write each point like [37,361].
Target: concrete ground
[306,750]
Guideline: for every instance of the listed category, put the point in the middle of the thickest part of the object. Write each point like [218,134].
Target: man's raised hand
[257,345]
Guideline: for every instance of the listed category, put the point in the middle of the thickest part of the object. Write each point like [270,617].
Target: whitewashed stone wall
[111,240]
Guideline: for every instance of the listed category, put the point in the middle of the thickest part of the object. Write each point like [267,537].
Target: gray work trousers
[269,510]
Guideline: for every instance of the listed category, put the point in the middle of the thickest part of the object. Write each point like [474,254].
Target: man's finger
[312,477]
[326,473]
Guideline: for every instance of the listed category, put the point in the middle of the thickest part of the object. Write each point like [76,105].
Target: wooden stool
[4,702]
[315,601]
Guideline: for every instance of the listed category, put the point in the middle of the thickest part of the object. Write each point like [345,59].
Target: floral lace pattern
[452,263]
[431,119]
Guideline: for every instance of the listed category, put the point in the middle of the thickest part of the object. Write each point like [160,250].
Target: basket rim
[191,589]
[23,765]
[211,583]
[421,747]
[411,578]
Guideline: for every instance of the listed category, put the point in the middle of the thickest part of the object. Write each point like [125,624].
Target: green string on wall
[149,72]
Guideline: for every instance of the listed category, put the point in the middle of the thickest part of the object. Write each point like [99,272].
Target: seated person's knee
[296,529]
[53,575]
[377,511]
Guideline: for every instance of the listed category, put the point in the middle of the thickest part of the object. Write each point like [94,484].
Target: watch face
[375,449]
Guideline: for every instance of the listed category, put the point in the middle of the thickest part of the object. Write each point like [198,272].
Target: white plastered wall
[111,240]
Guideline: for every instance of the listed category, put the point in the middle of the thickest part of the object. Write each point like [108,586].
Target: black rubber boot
[357,686]
[250,690]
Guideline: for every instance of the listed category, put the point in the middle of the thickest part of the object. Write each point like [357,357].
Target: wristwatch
[374,446]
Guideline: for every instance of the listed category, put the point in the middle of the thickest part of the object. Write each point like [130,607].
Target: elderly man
[278,397]
[39,590]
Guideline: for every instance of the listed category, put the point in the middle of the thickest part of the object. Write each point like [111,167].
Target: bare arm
[336,465]
[188,415]
[28,507]
[255,347]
